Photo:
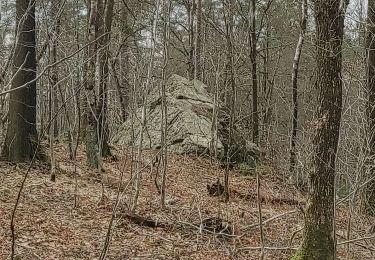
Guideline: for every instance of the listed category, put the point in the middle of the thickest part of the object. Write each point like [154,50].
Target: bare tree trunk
[230,6]
[253,57]
[90,104]
[164,123]
[297,57]
[265,103]
[123,90]
[54,79]
[319,238]
[369,195]
[198,45]
[51,132]
[68,121]
[103,86]
[191,63]
[215,115]
[138,177]
[260,218]
[96,134]
[123,86]
[21,136]
[55,75]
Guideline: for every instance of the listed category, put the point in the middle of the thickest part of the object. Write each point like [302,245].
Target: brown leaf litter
[49,227]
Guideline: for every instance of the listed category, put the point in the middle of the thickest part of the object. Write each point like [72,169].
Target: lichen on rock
[189,115]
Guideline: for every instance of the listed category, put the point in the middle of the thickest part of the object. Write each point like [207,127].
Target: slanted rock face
[189,114]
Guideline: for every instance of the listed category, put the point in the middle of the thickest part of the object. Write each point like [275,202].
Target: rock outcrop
[189,116]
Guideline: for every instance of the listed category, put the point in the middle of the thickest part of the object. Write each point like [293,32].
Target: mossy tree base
[304,254]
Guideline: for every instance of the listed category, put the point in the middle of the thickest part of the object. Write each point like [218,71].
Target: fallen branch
[355,240]
[291,202]
[200,227]
[268,248]
[143,221]
[269,220]
[370,249]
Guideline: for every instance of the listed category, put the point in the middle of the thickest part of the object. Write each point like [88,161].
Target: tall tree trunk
[164,112]
[231,94]
[297,56]
[265,103]
[138,178]
[103,87]
[369,198]
[90,120]
[21,136]
[54,79]
[96,135]
[198,46]
[319,238]
[191,63]
[253,58]
[54,71]
[123,86]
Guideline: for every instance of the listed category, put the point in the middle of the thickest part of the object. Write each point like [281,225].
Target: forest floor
[48,226]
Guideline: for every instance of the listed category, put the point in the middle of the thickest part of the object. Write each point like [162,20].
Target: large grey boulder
[189,113]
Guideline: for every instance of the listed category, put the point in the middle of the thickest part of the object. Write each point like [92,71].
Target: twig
[268,248]
[269,220]
[47,68]
[259,202]
[355,240]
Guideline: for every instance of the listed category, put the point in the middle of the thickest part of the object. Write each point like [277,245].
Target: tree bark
[96,135]
[90,120]
[123,86]
[319,237]
[253,58]
[231,94]
[297,56]
[21,136]
[369,196]
[103,88]
[54,79]
[191,63]
[137,181]
[198,47]
[164,112]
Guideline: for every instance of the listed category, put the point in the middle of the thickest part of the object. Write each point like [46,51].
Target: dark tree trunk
[198,51]
[90,119]
[191,67]
[96,135]
[253,57]
[54,79]
[123,86]
[123,90]
[231,93]
[369,198]
[319,237]
[297,56]
[21,137]
[103,89]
